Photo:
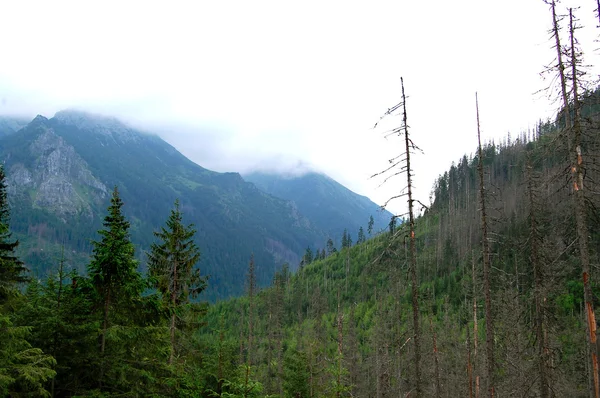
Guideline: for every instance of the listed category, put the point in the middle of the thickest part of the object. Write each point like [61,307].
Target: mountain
[60,172]
[11,124]
[326,203]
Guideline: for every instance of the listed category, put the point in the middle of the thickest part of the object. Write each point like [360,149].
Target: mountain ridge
[60,170]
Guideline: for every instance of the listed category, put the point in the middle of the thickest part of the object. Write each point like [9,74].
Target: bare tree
[489,324]
[569,70]
[401,165]
[578,170]
[538,290]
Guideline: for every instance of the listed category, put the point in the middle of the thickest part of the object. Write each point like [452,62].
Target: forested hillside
[359,299]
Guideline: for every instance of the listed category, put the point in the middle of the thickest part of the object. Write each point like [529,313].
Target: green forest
[490,289]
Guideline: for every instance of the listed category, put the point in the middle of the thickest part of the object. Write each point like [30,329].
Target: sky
[291,86]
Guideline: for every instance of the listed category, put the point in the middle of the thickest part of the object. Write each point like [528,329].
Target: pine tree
[113,269]
[330,247]
[12,270]
[308,256]
[370,226]
[24,370]
[171,264]
[361,236]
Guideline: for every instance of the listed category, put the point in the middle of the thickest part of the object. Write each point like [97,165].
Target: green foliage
[113,269]
[24,370]
[171,262]
[12,270]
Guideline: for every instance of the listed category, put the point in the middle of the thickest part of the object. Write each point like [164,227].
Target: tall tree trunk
[489,324]
[413,253]
[580,215]
[538,291]
[475,326]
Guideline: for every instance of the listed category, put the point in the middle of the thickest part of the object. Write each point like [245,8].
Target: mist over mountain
[332,206]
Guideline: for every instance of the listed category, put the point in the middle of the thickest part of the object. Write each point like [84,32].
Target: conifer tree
[330,247]
[308,256]
[113,269]
[345,239]
[370,226]
[361,236]
[171,264]
[12,270]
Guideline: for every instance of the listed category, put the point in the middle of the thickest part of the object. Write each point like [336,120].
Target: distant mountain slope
[327,204]
[61,170]
[10,124]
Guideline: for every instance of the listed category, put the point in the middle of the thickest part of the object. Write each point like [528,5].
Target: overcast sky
[286,85]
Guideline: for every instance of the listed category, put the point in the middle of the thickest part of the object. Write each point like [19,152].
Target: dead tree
[401,165]
[535,258]
[578,171]
[489,324]
[569,71]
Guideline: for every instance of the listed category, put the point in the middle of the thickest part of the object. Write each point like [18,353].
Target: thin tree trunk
[561,67]
[489,338]
[413,254]
[538,291]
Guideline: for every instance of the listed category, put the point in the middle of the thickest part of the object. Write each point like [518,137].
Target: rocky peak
[57,179]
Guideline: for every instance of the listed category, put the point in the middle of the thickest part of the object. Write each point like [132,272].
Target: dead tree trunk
[489,324]
[578,171]
[413,251]
[538,291]
[398,166]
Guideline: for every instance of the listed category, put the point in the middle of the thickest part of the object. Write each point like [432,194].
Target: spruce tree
[113,269]
[361,235]
[12,270]
[171,267]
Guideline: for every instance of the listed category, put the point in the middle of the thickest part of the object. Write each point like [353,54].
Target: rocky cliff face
[56,178]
